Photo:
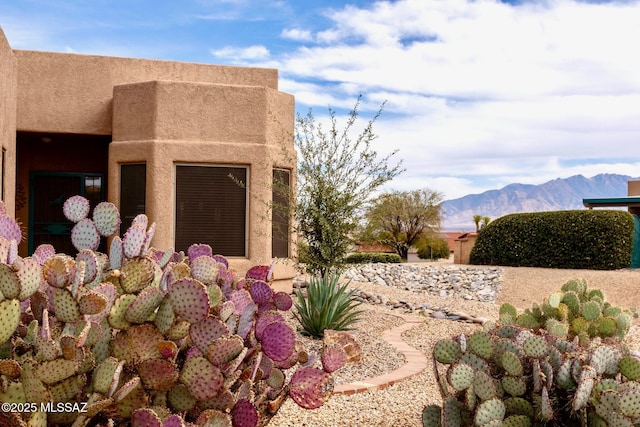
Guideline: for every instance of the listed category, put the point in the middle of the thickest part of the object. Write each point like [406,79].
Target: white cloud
[256,52]
[297,34]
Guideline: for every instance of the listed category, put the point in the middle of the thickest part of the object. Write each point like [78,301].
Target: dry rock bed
[450,300]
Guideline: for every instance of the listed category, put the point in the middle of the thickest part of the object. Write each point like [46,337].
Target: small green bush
[433,248]
[372,257]
[328,305]
[587,239]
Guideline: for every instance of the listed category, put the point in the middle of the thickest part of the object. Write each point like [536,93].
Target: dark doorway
[48,192]
[51,167]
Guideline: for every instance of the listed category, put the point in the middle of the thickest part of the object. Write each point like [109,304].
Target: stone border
[416,361]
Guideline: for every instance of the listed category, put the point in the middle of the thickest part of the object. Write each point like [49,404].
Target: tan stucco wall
[633,188]
[463,247]
[73,93]
[8,97]
[164,123]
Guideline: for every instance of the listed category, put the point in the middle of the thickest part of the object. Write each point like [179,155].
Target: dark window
[133,183]
[211,208]
[280,214]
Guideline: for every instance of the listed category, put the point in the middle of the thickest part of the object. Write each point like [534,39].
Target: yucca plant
[328,305]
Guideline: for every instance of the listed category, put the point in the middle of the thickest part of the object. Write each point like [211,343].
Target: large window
[280,213]
[211,208]
[133,184]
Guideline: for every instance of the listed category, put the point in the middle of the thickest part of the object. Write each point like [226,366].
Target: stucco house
[195,147]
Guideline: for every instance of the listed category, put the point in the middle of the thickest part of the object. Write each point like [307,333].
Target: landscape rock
[347,341]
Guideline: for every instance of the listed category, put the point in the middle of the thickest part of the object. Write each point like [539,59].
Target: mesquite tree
[399,219]
[337,174]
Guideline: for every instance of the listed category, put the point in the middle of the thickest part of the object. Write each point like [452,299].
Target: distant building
[195,147]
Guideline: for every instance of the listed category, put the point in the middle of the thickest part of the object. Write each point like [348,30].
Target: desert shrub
[372,257]
[563,362]
[589,239]
[433,248]
[328,304]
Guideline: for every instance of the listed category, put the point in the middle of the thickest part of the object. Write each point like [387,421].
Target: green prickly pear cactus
[563,362]
[145,337]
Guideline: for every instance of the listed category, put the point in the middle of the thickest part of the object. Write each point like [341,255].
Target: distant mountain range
[558,194]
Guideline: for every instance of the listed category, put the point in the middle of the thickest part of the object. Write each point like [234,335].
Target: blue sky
[480,94]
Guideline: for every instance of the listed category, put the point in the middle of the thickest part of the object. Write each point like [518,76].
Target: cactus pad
[202,379]
[244,414]
[92,303]
[133,241]
[460,376]
[106,218]
[9,318]
[261,292]
[511,363]
[310,387]
[224,349]
[66,307]
[205,332]
[9,282]
[189,299]
[56,370]
[204,269]
[535,346]
[144,305]
[480,343]
[158,374]
[333,358]
[630,368]
[84,235]
[282,301]
[492,409]
[76,208]
[199,249]
[447,351]
[278,341]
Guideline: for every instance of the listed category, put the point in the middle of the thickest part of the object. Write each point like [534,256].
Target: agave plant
[328,305]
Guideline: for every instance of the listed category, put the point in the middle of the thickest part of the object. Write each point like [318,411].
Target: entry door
[47,193]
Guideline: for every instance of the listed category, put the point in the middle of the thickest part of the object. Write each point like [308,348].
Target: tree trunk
[403,251]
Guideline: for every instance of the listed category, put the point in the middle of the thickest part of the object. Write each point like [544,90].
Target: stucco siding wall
[8,97]
[73,93]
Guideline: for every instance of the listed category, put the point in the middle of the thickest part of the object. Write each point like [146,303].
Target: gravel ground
[401,404]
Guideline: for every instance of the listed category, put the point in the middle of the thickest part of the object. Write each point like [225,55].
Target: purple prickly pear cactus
[133,241]
[310,387]
[282,301]
[241,298]
[264,320]
[144,417]
[261,292]
[189,300]
[258,272]
[116,253]
[76,208]
[106,218]
[244,414]
[278,341]
[84,235]
[9,228]
[222,260]
[197,250]
[333,358]
[43,253]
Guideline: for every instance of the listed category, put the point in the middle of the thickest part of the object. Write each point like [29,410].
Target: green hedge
[372,257]
[586,239]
